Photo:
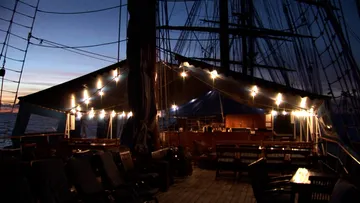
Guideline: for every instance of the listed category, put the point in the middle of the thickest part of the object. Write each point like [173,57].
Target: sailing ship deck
[202,187]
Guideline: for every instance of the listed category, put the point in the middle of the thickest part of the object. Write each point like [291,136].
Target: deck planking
[202,187]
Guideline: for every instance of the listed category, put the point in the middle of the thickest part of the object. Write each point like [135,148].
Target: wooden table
[301,184]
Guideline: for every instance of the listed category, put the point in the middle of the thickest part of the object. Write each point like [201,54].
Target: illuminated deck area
[202,187]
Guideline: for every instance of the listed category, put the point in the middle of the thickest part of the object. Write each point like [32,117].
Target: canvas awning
[178,90]
[60,97]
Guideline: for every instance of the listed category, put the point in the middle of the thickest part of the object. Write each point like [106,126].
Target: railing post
[21,148]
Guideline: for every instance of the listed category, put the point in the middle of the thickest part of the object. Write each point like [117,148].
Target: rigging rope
[78,47]
[93,57]
[81,12]
[68,48]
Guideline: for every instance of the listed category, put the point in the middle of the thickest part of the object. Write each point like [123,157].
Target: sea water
[36,124]
[41,124]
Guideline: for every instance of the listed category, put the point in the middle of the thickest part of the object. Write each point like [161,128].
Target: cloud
[39,83]
[56,73]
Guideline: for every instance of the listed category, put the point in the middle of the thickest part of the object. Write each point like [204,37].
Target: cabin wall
[245,121]
[210,139]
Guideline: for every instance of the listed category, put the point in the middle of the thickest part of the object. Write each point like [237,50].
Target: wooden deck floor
[202,187]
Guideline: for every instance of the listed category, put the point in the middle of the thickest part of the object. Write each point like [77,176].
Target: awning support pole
[67,127]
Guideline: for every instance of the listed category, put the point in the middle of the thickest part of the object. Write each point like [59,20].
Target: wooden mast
[140,132]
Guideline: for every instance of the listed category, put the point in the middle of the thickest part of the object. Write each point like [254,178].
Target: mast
[243,17]
[140,132]
[224,35]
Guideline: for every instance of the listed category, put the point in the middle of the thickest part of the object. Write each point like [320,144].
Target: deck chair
[115,180]
[87,185]
[14,185]
[265,188]
[321,188]
[131,172]
[85,182]
[50,181]
[345,191]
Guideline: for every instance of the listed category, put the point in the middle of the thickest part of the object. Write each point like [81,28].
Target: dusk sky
[46,67]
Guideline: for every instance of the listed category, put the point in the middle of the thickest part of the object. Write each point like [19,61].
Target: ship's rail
[30,139]
[340,158]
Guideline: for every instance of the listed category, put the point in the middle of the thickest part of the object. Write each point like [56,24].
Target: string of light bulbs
[254,90]
[76,108]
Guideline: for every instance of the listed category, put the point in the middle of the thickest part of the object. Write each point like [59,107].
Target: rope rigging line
[10,33]
[93,57]
[6,44]
[27,4]
[330,45]
[79,47]
[119,33]
[81,12]
[25,54]
[15,23]
[75,50]
[20,13]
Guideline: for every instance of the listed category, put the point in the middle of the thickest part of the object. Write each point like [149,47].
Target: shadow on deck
[202,187]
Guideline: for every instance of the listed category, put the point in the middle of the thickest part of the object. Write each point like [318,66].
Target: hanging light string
[76,109]
[300,111]
[98,91]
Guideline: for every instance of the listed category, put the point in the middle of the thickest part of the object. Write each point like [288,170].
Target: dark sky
[47,66]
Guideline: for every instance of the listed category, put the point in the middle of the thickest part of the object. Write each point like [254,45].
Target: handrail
[342,147]
[31,135]
[339,160]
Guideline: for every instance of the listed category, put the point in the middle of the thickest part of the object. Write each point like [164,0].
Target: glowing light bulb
[254,91]
[174,107]
[183,74]
[115,73]
[72,101]
[86,97]
[102,114]
[113,114]
[214,74]
[78,108]
[274,113]
[123,114]
[101,92]
[91,113]
[278,99]
[130,114]
[99,84]
[186,64]
[284,112]
[303,102]
[79,115]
